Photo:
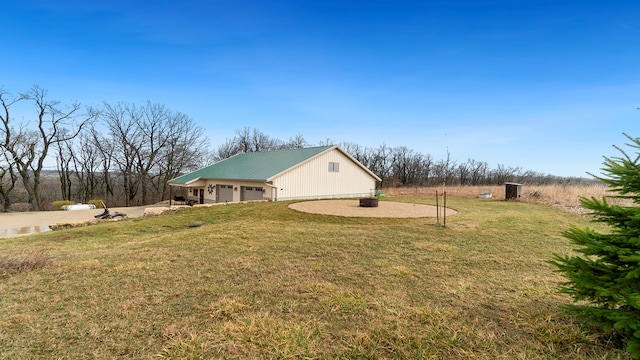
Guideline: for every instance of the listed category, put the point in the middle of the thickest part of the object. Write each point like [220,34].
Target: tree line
[122,153]
[125,154]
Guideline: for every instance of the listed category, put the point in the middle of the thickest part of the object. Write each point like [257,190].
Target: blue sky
[547,86]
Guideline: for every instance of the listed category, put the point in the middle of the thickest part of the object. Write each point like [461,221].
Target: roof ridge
[289,149]
[258,166]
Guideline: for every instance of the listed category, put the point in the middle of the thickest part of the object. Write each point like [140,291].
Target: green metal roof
[258,166]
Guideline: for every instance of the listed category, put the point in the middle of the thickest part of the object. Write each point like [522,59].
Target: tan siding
[314,180]
[211,198]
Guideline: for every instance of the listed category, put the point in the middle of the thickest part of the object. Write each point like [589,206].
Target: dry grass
[263,281]
[31,261]
[564,197]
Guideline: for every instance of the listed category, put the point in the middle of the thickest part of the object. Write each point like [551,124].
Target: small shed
[513,191]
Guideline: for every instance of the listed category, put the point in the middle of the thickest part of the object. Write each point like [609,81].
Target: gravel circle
[352,208]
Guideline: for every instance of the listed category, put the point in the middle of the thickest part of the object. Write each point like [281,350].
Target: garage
[288,174]
[251,193]
[224,193]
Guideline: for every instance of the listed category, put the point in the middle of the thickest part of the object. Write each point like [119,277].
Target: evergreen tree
[604,280]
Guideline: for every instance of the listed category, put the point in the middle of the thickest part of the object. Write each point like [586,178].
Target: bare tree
[106,150]
[29,144]
[64,159]
[296,142]
[8,180]
[401,159]
[185,149]
[380,162]
[153,121]
[502,174]
[256,141]
[150,145]
[125,140]
[226,150]
[326,142]
[424,165]
[253,140]
[464,173]
[80,161]
[8,176]
[478,171]
[444,171]
[355,150]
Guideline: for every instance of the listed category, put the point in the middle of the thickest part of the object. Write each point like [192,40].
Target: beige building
[308,173]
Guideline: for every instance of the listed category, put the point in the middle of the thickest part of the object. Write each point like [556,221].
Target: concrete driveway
[22,223]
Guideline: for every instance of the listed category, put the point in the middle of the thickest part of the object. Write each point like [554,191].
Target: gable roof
[260,166]
[257,166]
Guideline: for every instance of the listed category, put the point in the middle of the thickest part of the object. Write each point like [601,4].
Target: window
[334,167]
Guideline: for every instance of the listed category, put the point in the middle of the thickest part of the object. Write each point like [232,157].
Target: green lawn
[261,280]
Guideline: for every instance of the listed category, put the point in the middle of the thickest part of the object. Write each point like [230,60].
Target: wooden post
[444,210]
[437,209]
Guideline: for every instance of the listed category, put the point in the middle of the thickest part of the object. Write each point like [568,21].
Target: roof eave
[192,181]
[188,183]
[359,163]
[321,153]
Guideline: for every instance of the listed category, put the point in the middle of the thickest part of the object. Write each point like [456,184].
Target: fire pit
[369,202]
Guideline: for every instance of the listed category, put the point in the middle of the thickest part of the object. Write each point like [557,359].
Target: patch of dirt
[352,208]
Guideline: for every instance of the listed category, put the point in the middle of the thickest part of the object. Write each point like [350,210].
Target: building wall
[210,198]
[313,179]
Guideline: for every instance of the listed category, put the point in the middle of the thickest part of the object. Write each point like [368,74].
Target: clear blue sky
[547,86]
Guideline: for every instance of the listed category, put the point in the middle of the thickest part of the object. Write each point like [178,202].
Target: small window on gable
[334,167]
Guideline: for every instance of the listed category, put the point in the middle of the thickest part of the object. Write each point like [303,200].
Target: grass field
[564,197]
[260,280]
